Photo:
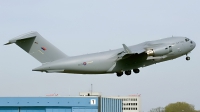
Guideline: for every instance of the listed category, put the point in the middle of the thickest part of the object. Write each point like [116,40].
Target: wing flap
[156,58]
[137,57]
[126,49]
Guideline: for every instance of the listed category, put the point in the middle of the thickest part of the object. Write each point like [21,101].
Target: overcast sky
[87,26]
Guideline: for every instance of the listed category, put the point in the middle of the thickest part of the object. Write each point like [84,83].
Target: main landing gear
[128,72]
[119,74]
[136,70]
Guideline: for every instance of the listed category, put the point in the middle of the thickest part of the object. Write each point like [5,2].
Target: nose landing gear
[187,58]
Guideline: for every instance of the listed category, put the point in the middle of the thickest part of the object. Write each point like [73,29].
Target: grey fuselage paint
[107,62]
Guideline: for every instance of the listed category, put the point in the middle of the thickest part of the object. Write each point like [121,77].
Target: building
[86,102]
[130,103]
[60,104]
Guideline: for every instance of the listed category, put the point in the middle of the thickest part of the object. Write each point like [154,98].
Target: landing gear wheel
[128,72]
[187,58]
[119,74]
[136,70]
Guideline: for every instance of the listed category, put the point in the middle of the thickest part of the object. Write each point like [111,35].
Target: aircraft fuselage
[109,61]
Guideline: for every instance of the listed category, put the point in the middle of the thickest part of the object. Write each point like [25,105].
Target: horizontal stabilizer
[55,71]
[21,37]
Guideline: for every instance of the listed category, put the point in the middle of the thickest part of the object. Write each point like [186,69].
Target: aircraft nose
[193,44]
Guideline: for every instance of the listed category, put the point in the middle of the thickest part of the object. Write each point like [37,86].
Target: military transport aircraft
[119,61]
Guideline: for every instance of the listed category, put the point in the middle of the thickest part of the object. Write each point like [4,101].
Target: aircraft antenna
[91,89]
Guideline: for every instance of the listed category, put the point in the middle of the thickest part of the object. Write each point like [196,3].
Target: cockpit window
[187,39]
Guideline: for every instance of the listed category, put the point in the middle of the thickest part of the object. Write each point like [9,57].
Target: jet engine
[159,51]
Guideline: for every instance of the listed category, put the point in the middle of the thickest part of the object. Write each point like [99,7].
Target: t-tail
[38,47]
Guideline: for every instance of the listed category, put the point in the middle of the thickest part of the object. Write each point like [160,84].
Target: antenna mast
[91,89]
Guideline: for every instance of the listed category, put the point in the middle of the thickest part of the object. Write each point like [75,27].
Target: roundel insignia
[43,48]
[84,63]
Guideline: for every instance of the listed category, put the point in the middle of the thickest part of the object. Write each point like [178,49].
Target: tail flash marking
[43,48]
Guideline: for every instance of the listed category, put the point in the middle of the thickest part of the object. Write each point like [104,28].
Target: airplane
[122,60]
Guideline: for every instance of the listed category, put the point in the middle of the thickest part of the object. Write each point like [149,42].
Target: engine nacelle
[158,51]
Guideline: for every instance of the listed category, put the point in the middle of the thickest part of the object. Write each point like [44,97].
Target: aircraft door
[179,45]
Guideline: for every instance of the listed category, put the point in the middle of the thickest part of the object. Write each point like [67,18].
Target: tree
[179,107]
[159,109]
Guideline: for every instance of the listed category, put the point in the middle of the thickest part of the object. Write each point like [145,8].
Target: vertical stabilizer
[38,47]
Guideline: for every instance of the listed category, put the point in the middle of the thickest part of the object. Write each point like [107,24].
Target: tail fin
[34,44]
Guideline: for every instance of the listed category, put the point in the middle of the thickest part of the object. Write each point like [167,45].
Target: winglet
[8,43]
[126,49]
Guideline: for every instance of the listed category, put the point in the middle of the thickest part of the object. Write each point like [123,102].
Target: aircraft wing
[141,52]
[137,54]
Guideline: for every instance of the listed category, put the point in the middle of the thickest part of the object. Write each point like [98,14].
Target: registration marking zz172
[41,52]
